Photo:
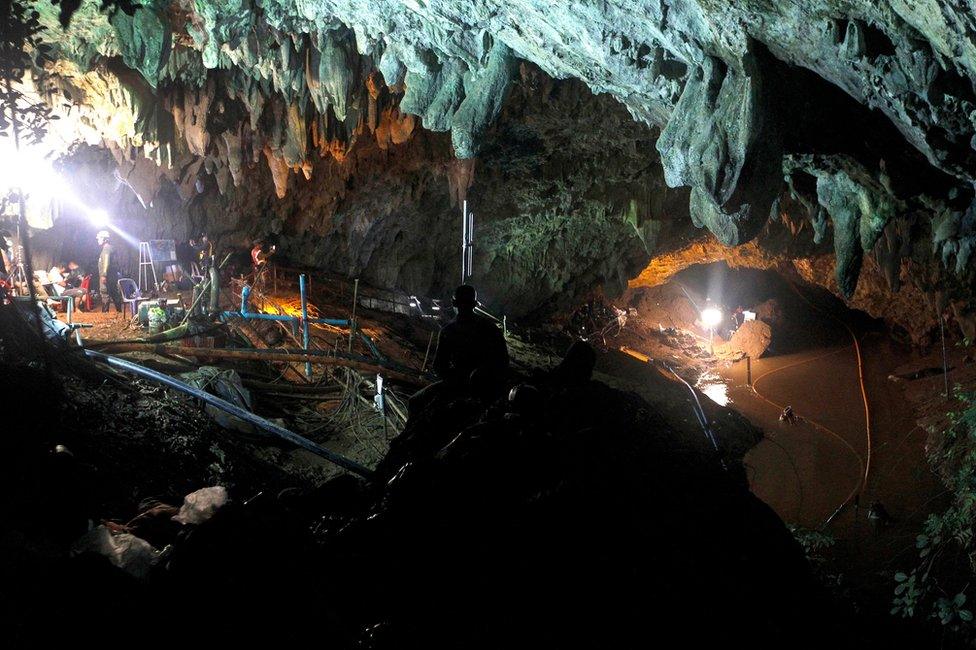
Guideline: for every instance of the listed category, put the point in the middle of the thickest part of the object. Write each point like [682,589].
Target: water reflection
[714,388]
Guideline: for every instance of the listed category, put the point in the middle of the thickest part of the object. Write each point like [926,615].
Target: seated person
[73,276]
[181,280]
[56,279]
[576,368]
[73,279]
[41,285]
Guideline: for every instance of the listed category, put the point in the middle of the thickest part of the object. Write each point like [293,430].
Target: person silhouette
[108,272]
[576,368]
[470,342]
[471,358]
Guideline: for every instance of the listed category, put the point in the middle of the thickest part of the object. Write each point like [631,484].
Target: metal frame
[146,259]
[467,242]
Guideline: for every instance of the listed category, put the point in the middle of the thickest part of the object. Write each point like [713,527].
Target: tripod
[18,278]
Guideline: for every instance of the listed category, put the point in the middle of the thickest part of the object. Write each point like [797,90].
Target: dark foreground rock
[586,524]
[581,520]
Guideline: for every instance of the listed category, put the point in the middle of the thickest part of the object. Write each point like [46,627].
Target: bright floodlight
[711,317]
[99,218]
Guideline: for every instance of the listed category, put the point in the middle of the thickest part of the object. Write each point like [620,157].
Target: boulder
[750,340]
[770,311]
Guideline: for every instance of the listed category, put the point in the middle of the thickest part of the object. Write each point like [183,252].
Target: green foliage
[20,51]
[816,544]
[813,542]
[946,558]
[908,595]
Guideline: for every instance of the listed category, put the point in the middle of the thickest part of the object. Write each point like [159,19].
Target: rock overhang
[220,86]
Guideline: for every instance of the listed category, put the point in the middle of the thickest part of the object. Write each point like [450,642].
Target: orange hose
[860,380]
[865,462]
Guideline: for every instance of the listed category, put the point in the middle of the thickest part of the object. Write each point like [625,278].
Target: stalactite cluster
[855,118]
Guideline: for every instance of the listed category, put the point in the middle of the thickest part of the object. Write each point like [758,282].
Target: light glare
[99,218]
[711,317]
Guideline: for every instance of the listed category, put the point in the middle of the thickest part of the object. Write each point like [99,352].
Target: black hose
[699,411]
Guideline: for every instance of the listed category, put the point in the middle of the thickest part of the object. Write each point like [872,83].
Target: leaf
[900,577]
[959,600]
[965,615]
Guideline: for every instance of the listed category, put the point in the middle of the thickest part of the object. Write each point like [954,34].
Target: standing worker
[259,263]
[202,252]
[6,254]
[108,273]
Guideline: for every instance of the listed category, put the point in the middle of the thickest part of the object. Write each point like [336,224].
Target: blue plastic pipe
[301,291]
[247,314]
[304,321]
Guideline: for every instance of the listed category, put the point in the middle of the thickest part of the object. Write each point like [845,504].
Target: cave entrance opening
[808,469]
[817,471]
[801,317]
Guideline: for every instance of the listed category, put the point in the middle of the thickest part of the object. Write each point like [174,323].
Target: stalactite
[279,172]
[460,178]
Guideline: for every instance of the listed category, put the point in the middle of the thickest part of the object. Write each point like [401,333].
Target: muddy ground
[812,472]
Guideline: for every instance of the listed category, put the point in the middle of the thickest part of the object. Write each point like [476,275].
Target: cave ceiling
[856,116]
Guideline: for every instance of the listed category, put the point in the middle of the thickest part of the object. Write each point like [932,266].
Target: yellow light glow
[711,317]
[640,356]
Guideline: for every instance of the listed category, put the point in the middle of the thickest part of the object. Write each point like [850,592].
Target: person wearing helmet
[108,275]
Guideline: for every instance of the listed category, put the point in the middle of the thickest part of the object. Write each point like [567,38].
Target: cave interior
[751,222]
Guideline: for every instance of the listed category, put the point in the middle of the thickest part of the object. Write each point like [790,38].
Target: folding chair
[131,295]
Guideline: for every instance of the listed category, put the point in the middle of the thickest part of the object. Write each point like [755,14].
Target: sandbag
[132,554]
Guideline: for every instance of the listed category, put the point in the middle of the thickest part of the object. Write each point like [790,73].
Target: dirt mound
[585,524]
[666,306]
[580,518]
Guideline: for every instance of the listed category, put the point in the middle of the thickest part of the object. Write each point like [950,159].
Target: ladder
[146,267]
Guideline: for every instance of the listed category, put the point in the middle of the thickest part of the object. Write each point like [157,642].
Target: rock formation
[849,124]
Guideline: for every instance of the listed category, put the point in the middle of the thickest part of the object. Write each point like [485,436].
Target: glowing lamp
[711,317]
[99,218]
